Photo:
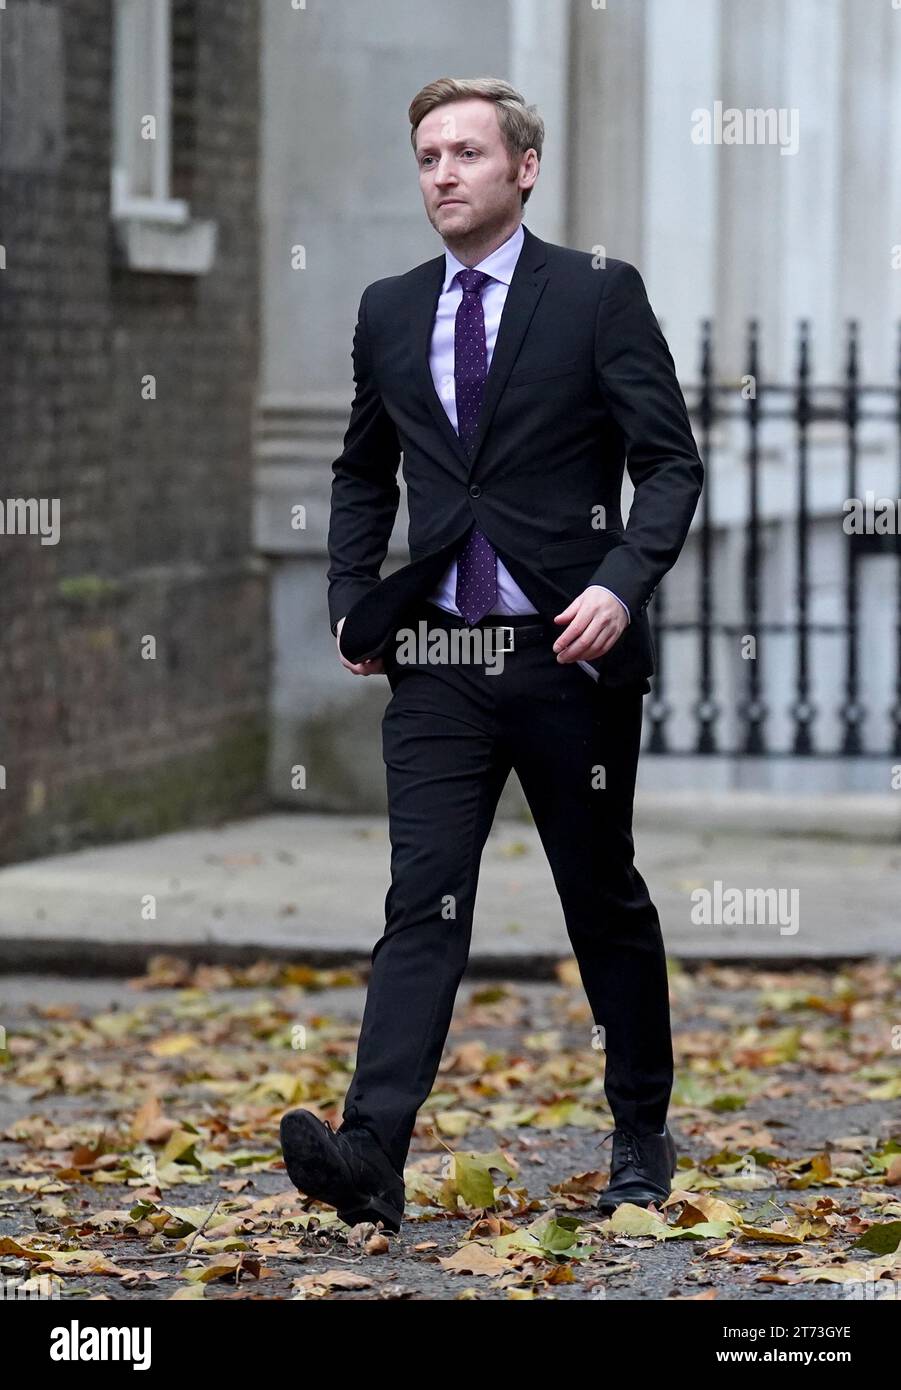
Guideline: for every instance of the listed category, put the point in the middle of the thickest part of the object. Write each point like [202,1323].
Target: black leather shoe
[348,1169]
[640,1169]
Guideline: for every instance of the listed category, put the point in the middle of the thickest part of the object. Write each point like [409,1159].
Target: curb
[862,817]
[120,959]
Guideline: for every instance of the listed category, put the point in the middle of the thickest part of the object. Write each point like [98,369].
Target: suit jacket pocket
[525,375]
[585,550]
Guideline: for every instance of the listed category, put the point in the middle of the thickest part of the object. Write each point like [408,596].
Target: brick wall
[155,496]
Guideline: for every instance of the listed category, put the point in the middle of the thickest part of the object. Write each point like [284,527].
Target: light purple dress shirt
[499,265]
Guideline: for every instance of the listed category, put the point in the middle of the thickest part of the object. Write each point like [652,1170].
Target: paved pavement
[312,887]
[792,1109]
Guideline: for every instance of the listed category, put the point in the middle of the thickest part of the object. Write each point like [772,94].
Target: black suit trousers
[451,734]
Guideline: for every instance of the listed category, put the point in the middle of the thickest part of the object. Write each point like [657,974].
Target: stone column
[340,207]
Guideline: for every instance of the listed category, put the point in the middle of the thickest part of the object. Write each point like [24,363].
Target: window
[142,111]
[155,232]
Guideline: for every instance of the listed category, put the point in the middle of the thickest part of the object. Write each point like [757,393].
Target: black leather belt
[510,633]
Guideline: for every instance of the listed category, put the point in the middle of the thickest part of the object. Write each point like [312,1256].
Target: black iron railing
[803,404]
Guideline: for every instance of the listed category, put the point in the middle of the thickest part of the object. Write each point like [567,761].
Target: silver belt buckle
[510,630]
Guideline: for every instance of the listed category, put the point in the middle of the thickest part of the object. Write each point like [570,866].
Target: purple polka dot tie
[476,591]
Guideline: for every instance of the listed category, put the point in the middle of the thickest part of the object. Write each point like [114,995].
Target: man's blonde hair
[521,126]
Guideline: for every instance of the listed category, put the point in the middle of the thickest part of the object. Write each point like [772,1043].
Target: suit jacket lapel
[525,290]
[423,307]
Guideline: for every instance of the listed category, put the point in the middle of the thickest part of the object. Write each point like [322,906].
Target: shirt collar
[500,264]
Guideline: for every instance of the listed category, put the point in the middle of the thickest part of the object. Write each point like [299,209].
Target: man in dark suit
[518,379]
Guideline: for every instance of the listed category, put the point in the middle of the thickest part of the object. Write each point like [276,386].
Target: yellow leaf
[173,1045]
[8,1246]
[768,1233]
[456,1123]
[179,1145]
[473,1258]
[700,1206]
[190,1292]
[632,1220]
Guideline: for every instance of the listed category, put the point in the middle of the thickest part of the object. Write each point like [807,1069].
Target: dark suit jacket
[581,384]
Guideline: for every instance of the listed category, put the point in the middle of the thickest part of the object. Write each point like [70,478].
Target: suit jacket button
[475,490]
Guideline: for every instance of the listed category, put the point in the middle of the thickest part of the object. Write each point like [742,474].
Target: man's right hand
[375,667]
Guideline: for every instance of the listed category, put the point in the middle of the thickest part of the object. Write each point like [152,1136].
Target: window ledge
[165,247]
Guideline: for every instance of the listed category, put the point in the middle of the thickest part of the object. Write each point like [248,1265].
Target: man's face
[465,171]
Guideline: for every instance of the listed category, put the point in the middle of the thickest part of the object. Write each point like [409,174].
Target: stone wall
[104,733]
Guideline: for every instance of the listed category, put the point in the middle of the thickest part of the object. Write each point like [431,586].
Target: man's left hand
[596,620]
